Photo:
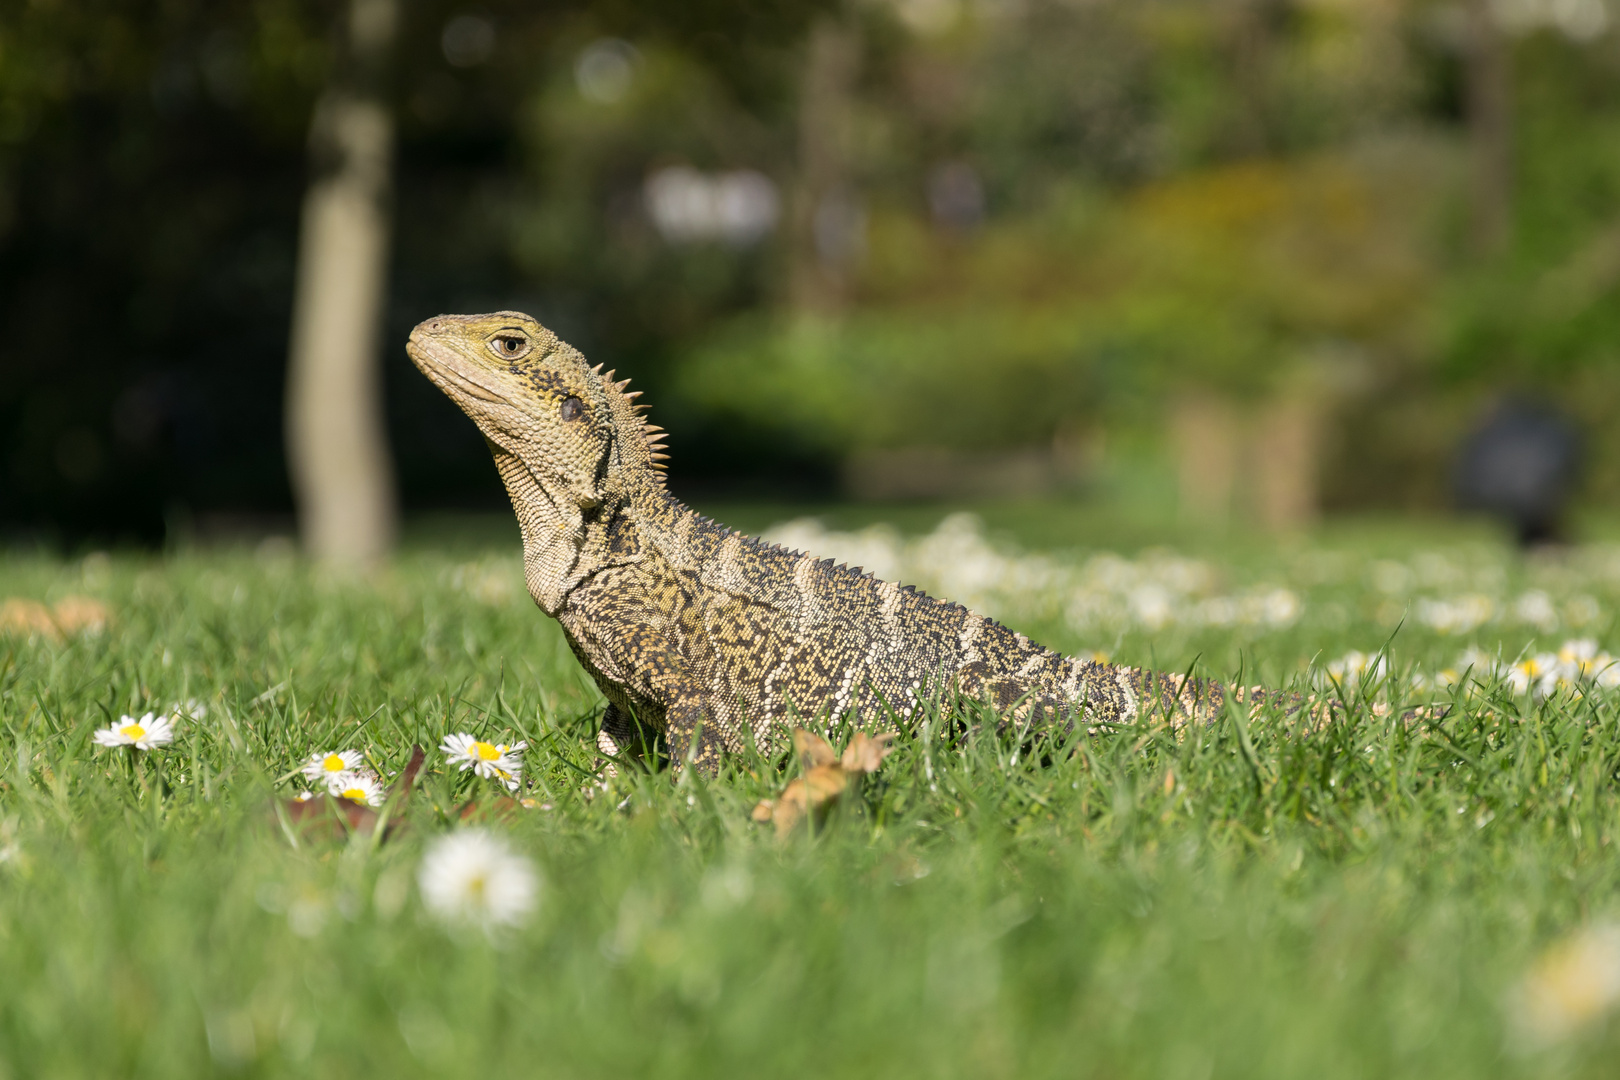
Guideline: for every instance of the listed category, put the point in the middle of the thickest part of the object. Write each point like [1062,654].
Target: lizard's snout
[426,327]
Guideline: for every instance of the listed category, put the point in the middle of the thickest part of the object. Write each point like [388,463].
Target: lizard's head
[529,393]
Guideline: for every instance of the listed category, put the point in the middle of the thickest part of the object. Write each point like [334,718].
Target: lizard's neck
[562,546]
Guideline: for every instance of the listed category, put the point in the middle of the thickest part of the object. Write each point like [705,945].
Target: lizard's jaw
[442,368]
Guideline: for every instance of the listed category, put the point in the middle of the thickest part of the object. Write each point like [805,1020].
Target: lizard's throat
[553,533]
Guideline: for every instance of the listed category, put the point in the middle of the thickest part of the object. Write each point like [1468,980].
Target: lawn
[1399,894]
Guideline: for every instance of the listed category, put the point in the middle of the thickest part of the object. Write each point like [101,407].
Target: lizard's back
[777,637]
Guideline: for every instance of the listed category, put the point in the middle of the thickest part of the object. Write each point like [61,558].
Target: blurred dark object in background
[1521,465]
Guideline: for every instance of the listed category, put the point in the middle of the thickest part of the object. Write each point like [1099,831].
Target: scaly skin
[707,637]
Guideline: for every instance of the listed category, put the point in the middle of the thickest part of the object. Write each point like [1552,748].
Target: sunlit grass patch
[1411,889]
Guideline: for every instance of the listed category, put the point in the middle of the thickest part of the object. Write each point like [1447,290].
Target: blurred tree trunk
[1286,450]
[1203,431]
[1490,128]
[827,225]
[1251,33]
[337,446]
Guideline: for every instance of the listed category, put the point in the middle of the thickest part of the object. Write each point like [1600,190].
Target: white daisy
[362,788]
[1478,663]
[332,769]
[146,733]
[1355,666]
[1581,660]
[1574,983]
[1537,674]
[493,761]
[475,877]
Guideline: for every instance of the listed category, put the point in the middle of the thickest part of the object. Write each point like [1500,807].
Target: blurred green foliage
[1050,218]
[1176,203]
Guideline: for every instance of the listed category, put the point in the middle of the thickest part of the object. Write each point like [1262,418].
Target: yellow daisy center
[132,731]
[357,794]
[334,763]
[486,751]
[476,886]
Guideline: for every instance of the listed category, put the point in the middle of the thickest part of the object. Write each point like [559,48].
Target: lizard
[702,638]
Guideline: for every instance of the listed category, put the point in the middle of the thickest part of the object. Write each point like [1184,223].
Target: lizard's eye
[571,408]
[509,346]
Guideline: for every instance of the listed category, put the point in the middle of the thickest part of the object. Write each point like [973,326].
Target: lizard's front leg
[621,737]
[692,734]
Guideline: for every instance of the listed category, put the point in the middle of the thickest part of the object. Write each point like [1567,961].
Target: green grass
[1357,902]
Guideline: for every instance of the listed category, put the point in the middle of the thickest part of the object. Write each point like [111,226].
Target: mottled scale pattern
[705,638]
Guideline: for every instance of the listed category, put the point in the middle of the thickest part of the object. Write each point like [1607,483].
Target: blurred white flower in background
[1571,984]
[1355,666]
[605,70]
[147,733]
[740,207]
[1536,608]
[1479,664]
[1106,592]
[1159,591]
[473,877]
[1578,658]
[1536,674]
[1458,615]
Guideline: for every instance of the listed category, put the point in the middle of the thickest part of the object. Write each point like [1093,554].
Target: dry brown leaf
[813,748]
[72,615]
[865,754]
[503,808]
[81,614]
[827,778]
[27,618]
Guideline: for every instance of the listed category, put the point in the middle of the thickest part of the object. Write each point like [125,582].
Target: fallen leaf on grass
[327,817]
[28,618]
[503,808]
[71,615]
[828,776]
[81,615]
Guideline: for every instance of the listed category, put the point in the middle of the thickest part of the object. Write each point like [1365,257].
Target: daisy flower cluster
[1577,666]
[492,761]
[1104,593]
[1452,593]
[343,774]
